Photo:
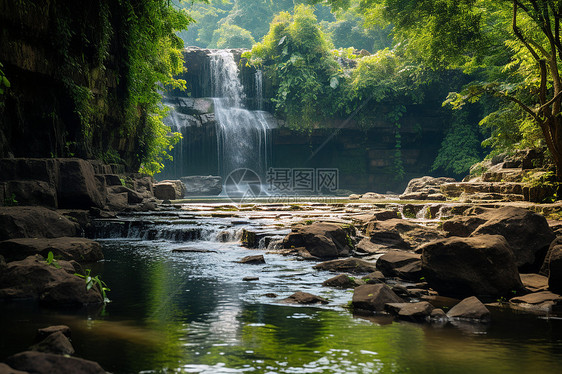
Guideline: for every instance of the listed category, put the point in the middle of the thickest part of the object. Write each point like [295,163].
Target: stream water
[191,311]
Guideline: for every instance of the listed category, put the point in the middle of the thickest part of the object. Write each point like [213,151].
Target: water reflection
[192,313]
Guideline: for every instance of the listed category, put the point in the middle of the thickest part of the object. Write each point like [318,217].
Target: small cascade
[242,135]
[259,89]
[424,213]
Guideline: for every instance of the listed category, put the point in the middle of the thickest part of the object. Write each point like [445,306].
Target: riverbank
[179,300]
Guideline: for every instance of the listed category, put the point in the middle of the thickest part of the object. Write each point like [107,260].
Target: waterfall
[242,135]
[259,89]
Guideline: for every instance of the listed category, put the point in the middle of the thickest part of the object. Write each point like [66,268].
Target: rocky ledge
[507,257]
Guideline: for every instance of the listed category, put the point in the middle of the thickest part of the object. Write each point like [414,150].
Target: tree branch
[519,35]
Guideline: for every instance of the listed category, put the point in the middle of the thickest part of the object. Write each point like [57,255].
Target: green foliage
[461,147]
[10,200]
[4,82]
[394,117]
[511,48]
[92,281]
[154,58]
[232,36]
[296,55]
[50,260]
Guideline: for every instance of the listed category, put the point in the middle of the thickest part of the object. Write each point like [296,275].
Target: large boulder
[49,363]
[373,297]
[81,250]
[78,188]
[320,239]
[400,234]
[527,233]
[202,185]
[33,278]
[482,265]
[401,264]
[34,222]
[347,265]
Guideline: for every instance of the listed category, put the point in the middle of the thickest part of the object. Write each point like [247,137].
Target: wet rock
[322,240]
[462,226]
[374,277]
[304,298]
[271,295]
[421,188]
[166,191]
[342,281]
[56,343]
[552,266]
[534,282]
[527,233]
[48,363]
[77,185]
[400,290]
[133,197]
[362,220]
[400,234]
[538,298]
[179,187]
[373,297]
[250,279]
[470,308]
[44,332]
[253,260]
[202,185]
[555,270]
[482,265]
[415,312]
[404,265]
[394,308]
[367,247]
[33,278]
[81,250]
[117,201]
[347,265]
[5,369]
[112,180]
[31,192]
[34,222]
[438,314]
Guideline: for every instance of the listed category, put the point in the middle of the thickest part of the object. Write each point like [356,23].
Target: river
[192,312]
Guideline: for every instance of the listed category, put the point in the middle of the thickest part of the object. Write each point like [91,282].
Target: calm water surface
[193,313]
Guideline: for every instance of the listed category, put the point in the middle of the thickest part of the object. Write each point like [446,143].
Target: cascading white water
[259,89]
[242,135]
